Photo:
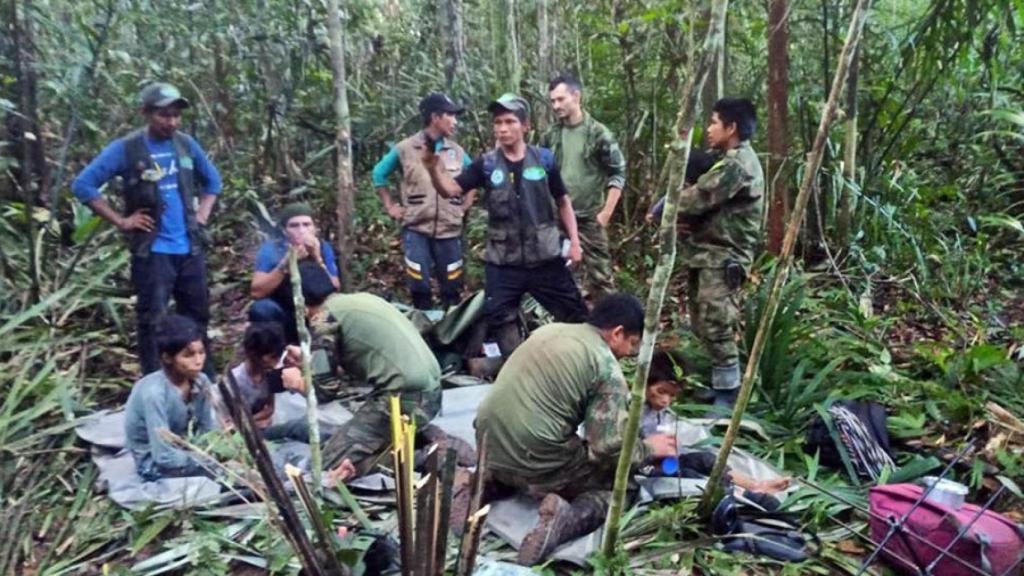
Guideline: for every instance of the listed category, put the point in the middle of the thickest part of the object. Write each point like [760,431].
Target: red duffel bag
[992,545]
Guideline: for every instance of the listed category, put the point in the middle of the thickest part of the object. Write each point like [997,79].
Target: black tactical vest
[522,226]
[141,193]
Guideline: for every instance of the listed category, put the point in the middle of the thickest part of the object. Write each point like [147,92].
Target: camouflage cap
[509,102]
[162,95]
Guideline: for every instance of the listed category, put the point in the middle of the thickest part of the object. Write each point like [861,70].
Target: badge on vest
[185,162]
[534,173]
[497,177]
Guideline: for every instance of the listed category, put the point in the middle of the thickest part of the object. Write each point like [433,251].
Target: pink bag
[993,544]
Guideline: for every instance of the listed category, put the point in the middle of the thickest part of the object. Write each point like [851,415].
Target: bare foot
[344,471]
[770,486]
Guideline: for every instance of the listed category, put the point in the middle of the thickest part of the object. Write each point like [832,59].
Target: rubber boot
[560,522]
[422,300]
[725,382]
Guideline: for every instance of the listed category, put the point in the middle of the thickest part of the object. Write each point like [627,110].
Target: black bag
[830,437]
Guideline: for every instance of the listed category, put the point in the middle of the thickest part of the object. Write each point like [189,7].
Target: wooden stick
[443,515]
[426,513]
[471,541]
[312,411]
[313,511]
[403,486]
[293,528]
[708,500]
[668,233]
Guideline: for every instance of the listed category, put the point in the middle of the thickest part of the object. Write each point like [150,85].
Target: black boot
[560,522]
[725,383]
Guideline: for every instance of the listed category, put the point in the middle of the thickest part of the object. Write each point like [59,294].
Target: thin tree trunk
[778,122]
[456,41]
[32,160]
[514,66]
[343,143]
[786,256]
[844,217]
[312,410]
[659,285]
[543,61]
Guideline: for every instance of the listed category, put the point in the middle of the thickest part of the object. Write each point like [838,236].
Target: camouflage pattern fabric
[364,438]
[597,278]
[723,210]
[714,313]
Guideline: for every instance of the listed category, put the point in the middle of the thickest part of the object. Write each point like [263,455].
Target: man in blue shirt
[169,188]
[271,286]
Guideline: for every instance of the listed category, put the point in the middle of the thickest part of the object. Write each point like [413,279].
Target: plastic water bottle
[670,466]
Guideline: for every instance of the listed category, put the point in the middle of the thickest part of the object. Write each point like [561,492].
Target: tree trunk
[543,62]
[343,143]
[514,66]
[778,122]
[455,48]
[786,256]
[844,216]
[685,121]
[32,160]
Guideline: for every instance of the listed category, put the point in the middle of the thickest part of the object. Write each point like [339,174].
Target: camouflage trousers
[365,437]
[595,274]
[714,313]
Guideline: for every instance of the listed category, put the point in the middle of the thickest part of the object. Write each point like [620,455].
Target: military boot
[725,382]
[560,522]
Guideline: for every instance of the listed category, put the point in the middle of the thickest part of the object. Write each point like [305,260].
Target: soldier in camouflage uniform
[594,171]
[372,343]
[722,214]
[562,376]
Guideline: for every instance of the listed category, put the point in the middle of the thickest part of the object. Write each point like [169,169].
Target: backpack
[851,434]
[992,543]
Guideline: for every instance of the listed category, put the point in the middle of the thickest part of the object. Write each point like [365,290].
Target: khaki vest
[426,211]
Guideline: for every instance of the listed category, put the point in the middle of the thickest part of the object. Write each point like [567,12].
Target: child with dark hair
[664,385]
[174,398]
[262,374]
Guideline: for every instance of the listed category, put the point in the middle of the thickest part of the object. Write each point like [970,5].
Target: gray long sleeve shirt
[154,405]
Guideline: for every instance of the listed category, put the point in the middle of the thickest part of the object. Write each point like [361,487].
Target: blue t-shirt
[172,234]
[272,251]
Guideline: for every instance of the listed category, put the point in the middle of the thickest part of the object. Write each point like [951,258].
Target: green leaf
[152,531]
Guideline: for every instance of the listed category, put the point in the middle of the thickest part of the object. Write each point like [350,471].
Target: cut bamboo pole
[444,513]
[708,500]
[426,513]
[471,541]
[323,536]
[685,121]
[294,531]
[312,411]
[401,451]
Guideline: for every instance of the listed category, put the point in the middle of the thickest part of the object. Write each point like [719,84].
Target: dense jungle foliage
[910,289]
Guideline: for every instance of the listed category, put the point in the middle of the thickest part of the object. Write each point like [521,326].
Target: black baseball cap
[436,102]
[162,95]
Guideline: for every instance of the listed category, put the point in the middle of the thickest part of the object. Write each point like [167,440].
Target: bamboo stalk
[312,412]
[444,513]
[786,256]
[426,513]
[471,541]
[293,528]
[401,451]
[685,121]
[319,528]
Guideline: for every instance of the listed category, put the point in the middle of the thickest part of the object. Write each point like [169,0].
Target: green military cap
[162,95]
[509,102]
[292,210]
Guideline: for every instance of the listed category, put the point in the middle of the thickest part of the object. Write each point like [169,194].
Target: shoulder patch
[497,177]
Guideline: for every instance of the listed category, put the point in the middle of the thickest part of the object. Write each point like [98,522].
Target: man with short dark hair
[562,376]
[526,201]
[594,171]
[431,224]
[271,286]
[722,212]
[169,189]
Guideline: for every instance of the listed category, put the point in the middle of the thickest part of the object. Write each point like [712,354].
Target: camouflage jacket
[723,210]
[605,167]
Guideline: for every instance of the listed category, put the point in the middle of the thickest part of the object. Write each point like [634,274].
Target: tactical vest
[140,193]
[426,211]
[522,226]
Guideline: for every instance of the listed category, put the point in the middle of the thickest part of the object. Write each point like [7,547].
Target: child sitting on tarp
[664,385]
[175,399]
[263,374]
